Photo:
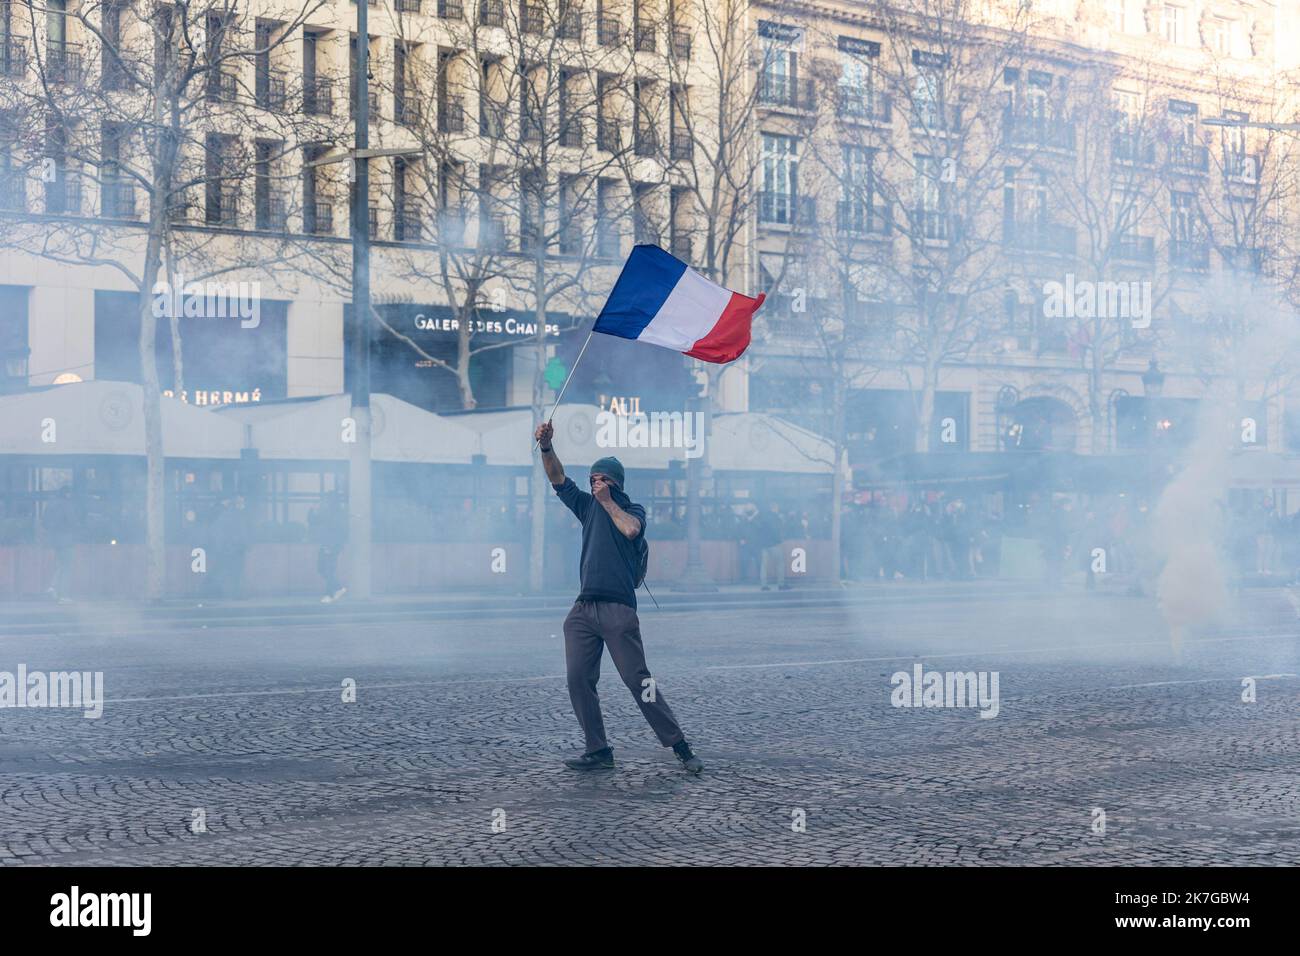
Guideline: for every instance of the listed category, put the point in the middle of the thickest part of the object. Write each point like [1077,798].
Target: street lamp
[1153,380]
[359,461]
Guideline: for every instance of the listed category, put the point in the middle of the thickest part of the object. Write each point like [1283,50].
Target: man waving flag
[661,300]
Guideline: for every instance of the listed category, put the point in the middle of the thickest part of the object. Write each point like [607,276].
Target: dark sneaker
[600,760]
[690,762]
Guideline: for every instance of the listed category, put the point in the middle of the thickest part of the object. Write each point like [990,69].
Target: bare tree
[140,108]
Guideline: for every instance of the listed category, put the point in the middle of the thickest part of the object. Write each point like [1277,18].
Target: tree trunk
[155,491]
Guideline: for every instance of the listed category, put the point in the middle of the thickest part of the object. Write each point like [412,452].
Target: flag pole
[567,379]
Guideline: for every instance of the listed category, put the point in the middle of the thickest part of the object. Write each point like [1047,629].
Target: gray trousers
[591,627]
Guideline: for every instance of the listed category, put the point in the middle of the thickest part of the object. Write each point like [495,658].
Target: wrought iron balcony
[318,219]
[859,218]
[451,114]
[1036,130]
[680,144]
[1189,157]
[682,44]
[645,37]
[1241,168]
[786,209]
[930,118]
[863,106]
[222,206]
[607,135]
[63,63]
[1189,253]
[408,223]
[492,13]
[934,225]
[1133,148]
[270,91]
[318,96]
[272,213]
[1134,248]
[532,18]
[117,199]
[451,9]
[13,57]
[407,6]
[1036,236]
[609,32]
[647,140]
[785,92]
[407,111]
[63,195]
[570,27]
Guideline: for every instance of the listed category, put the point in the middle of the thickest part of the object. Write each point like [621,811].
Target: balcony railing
[1134,148]
[319,220]
[863,106]
[1245,259]
[1135,248]
[1190,157]
[1039,237]
[13,57]
[223,86]
[647,140]
[451,227]
[63,63]
[785,92]
[570,239]
[117,200]
[1241,167]
[408,223]
[491,120]
[1036,130]
[858,218]
[570,27]
[570,131]
[372,221]
[451,9]
[318,96]
[608,239]
[786,209]
[608,31]
[680,144]
[270,91]
[63,196]
[13,192]
[532,18]
[930,118]
[682,44]
[222,206]
[1189,253]
[407,6]
[492,13]
[493,235]
[645,37]
[407,112]
[607,136]
[451,114]
[530,126]
[934,225]
[272,213]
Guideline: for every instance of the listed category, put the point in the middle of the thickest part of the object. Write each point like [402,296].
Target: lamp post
[360,500]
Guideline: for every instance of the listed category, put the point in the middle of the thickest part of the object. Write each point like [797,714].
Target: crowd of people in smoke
[899,535]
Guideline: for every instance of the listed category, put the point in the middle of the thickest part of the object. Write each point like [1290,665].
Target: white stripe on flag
[691,310]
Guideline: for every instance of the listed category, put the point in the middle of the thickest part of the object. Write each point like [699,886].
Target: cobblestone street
[452,752]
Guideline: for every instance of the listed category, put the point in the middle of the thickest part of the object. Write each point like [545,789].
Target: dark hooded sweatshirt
[608,557]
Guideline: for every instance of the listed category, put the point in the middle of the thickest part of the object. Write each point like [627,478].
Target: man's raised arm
[554,470]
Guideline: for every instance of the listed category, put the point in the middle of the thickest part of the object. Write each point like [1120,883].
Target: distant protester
[329,528]
[62,522]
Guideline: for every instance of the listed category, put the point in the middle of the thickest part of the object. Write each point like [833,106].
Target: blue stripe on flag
[648,278]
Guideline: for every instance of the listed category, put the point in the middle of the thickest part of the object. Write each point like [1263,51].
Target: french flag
[661,300]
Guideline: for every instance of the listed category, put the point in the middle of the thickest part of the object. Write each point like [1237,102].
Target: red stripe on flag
[728,340]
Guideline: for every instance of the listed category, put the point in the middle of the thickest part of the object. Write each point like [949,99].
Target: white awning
[107,418]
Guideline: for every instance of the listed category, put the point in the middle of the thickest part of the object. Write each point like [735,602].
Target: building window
[780,178]
[1115,14]
[1173,23]
[1182,224]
